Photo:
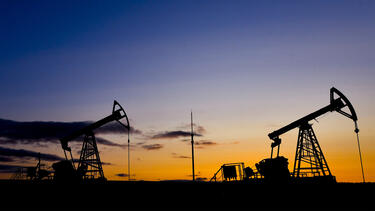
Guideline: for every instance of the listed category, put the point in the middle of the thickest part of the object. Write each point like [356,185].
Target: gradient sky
[245,68]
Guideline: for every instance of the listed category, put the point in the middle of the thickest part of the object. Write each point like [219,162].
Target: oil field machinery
[37,173]
[309,162]
[89,164]
[230,172]
[310,165]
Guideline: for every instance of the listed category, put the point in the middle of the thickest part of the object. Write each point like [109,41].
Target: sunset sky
[245,69]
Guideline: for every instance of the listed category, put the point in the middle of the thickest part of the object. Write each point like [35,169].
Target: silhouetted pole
[192,145]
[129,153]
[359,150]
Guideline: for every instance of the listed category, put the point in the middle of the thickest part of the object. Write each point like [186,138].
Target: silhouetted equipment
[233,172]
[248,172]
[32,173]
[274,169]
[309,158]
[229,172]
[65,172]
[89,164]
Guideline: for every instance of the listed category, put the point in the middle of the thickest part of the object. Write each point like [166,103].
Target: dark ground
[178,194]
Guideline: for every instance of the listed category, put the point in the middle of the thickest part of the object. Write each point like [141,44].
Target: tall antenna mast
[192,145]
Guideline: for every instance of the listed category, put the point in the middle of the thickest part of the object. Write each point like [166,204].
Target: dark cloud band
[21,153]
[14,132]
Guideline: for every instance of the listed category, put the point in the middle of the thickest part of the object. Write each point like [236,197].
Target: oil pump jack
[89,164]
[309,159]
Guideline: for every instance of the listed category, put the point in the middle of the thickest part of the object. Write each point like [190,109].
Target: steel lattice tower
[90,165]
[309,159]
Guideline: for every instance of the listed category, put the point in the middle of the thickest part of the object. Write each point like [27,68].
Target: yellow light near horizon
[341,154]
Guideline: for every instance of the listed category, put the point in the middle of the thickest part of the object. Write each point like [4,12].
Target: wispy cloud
[124,175]
[121,175]
[197,128]
[175,155]
[106,142]
[152,146]
[208,143]
[179,132]
[205,143]
[115,127]
[173,134]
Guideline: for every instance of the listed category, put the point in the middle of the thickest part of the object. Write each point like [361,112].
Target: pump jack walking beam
[335,105]
[116,115]
[89,147]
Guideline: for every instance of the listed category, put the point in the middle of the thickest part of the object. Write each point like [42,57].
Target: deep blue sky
[58,57]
